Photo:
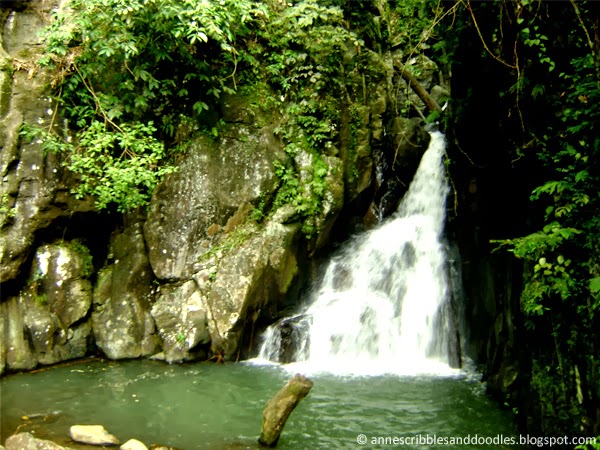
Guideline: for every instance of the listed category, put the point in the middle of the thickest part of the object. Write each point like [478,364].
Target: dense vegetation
[135,78]
[545,57]
[128,75]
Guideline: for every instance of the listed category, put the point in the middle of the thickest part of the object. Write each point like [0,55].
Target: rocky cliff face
[34,190]
[196,276]
[46,292]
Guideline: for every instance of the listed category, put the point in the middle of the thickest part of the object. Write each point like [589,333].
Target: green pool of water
[210,406]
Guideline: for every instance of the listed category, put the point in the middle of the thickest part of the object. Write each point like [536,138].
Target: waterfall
[382,304]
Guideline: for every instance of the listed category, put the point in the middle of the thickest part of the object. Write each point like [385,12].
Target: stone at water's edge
[133,444]
[123,326]
[279,408]
[250,282]
[181,322]
[25,441]
[92,434]
[47,322]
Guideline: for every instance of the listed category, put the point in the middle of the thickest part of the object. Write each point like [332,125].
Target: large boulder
[208,187]
[241,282]
[123,326]
[59,279]
[182,323]
[249,285]
[218,272]
[48,321]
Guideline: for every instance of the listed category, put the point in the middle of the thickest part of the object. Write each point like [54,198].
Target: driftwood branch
[279,408]
[419,90]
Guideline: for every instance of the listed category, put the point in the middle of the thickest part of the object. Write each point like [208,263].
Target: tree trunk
[419,90]
[279,408]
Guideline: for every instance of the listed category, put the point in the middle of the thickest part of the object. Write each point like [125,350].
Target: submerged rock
[92,434]
[25,441]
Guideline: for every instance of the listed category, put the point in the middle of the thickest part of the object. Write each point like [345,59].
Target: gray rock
[209,186]
[439,94]
[31,335]
[34,193]
[333,197]
[410,141]
[333,200]
[42,327]
[47,322]
[237,109]
[285,214]
[17,352]
[5,80]
[2,341]
[250,282]
[92,434]
[181,322]
[426,70]
[25,441]
[59,280]
[160,356]
[123,326]
[356,151]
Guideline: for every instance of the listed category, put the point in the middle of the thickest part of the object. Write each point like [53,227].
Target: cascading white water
[380,305]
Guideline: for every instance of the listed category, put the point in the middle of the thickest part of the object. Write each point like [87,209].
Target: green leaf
[594,285]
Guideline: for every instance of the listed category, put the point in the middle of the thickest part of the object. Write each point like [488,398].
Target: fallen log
[279,408]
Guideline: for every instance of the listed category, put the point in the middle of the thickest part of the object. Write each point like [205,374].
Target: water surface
[210,406]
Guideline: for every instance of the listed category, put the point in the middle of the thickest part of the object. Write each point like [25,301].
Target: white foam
[379,307]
